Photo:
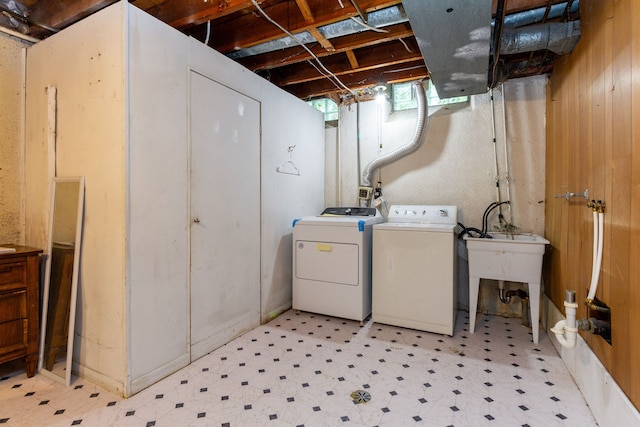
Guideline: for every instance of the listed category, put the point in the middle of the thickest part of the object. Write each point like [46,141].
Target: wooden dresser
[19,306]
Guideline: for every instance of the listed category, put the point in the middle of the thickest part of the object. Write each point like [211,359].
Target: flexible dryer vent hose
[415,143]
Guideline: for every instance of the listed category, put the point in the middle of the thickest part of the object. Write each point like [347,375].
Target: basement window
[405,99]
[327,106]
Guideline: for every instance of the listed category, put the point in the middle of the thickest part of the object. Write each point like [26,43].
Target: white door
[225,214]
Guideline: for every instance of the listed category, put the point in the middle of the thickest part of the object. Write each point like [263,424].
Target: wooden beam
[185,13]
[362,14]
[352,59]
[324,42]
[359,80]
[60,14]
[305,10]
[387,56]
[341,44]
[251,29]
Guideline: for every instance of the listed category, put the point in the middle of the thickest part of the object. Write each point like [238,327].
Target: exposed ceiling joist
[341,44]
[389,54]
[60,14]
[324,42]
[360,80]
[186,13]
[353,61]
[226,37]
[362,42]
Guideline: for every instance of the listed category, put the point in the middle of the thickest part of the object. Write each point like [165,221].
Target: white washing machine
[414,268]
[332,262]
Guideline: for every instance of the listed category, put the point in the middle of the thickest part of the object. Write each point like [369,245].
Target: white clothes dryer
[414,268]
[332,262]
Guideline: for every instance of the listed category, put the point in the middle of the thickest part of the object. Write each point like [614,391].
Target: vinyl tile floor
[304,369]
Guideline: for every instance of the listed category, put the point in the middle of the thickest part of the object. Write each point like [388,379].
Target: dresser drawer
[13,306]
[12,276]
[13,336]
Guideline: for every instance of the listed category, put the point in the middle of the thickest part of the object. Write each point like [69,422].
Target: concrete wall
[11,139]
[455,165]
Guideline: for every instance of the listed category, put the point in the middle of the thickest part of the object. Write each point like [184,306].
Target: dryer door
[327,262]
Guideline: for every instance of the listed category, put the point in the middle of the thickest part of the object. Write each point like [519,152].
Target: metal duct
[391,16]
[558,37]
[454,37]
[416,141]
[534,16]
[380,18]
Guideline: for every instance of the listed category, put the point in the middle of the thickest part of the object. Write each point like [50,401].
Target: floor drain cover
[360,396]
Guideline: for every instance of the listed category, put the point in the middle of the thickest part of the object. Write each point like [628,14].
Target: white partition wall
[286,124]
[125,121]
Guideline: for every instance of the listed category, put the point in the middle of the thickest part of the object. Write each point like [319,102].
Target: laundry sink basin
[512,257]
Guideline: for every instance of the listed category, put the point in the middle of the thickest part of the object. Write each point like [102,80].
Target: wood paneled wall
[593,141]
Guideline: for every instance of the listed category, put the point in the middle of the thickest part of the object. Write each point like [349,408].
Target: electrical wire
[406,46]
[293,37]
[399,70]
[327,76]
[367,26]
[206,39]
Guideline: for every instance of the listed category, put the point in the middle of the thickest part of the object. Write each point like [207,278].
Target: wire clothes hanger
[288,167]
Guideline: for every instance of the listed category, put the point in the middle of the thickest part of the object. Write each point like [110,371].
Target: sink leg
[534,302]
[474,286]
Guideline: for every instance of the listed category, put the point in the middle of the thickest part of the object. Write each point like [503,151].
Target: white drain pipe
[566,331]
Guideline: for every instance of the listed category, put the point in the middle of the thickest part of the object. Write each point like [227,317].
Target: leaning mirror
[61,278]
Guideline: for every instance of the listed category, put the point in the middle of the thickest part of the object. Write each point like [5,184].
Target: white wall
[286,122]
[455,164]
[11,139]
[86,67]
[157,202]
[123,123]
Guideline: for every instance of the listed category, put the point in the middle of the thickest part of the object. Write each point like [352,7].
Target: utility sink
[510,257]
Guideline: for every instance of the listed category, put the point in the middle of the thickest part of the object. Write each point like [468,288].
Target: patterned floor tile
[302,369]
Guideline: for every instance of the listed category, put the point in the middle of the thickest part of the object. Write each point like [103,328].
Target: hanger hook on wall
[289,167]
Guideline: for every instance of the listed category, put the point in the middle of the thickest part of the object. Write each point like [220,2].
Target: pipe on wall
[565,330]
